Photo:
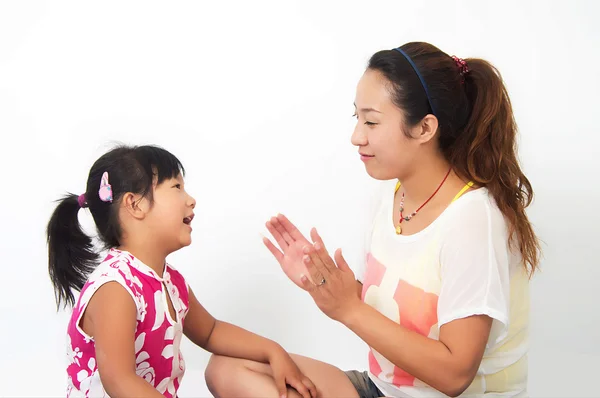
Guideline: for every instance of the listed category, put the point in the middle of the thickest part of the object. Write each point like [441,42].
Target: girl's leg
[231,377]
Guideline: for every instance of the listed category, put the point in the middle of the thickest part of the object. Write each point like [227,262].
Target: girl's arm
[220,337]
[225,339]
[110,318]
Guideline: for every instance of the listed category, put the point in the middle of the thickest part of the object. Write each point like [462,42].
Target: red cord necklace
[414,213]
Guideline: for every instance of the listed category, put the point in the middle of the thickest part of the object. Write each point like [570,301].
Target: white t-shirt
[458,266]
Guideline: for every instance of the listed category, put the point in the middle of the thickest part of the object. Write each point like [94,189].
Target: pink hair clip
[105,191]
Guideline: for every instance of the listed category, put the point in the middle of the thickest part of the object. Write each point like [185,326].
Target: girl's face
[171,214]
[382,144]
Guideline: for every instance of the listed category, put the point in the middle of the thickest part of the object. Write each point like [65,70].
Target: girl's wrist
[272,350]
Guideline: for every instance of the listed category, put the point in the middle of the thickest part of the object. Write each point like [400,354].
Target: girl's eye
[178,186]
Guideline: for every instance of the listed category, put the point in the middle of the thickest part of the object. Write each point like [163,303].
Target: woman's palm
[292,244]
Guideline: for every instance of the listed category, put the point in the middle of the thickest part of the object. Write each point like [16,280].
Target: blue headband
[410,61]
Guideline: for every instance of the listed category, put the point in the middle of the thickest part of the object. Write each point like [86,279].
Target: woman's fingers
[291,228]
[316,238]
[282,231]
[276,235]
[320,250]
[315,266]
[341,261]
[274,250]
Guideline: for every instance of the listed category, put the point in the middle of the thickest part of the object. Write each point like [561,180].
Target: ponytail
[476,126]
[71,256]
[486,153]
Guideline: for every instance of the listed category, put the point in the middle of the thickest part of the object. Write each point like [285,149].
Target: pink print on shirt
[403,303]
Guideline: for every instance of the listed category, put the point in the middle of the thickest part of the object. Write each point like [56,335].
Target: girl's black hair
[71,252]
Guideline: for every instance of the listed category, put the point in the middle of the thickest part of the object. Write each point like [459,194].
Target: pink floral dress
[157,336]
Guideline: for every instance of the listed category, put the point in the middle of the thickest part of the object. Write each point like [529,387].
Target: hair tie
[81,201]
[463,68]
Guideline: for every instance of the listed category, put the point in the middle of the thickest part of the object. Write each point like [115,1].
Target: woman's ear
[429,126]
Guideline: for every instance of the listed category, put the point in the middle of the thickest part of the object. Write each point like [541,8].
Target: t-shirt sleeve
[475,267]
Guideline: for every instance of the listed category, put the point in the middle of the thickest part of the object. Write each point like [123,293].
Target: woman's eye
[178,186]
[367,123]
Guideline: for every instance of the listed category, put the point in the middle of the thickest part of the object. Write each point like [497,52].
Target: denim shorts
[363,384]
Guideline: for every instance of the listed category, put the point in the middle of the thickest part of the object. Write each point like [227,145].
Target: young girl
[443,300]
[133,308]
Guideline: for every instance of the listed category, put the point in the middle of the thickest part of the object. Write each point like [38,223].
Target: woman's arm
[225,339]
[359,287]
[448,365]
[110,318]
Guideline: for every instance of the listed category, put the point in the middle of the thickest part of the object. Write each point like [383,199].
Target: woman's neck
[419,185]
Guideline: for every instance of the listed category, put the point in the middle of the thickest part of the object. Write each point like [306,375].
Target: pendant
[398,230]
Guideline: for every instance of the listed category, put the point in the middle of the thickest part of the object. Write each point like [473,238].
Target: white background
[256,99]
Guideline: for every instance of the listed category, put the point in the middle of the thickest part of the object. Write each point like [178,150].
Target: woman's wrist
[353,313]
[359,288]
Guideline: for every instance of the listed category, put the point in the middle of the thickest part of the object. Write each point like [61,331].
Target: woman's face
[384,147]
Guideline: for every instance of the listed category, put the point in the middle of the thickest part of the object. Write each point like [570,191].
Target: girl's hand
[334,287]
[291,242]
[286,372]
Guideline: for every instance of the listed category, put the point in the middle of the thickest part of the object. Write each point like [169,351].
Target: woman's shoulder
[475,200]
[476,209]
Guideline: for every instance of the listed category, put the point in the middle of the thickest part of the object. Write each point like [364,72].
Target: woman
[443,299]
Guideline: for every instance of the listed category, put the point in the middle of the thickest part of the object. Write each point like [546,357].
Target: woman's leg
[231,377]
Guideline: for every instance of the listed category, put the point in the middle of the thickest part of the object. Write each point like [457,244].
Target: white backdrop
[256,99]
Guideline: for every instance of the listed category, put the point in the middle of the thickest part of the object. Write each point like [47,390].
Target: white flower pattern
[142,366]
[174,333]
[73,354]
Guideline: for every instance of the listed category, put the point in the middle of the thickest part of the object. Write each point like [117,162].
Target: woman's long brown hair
[477,129]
